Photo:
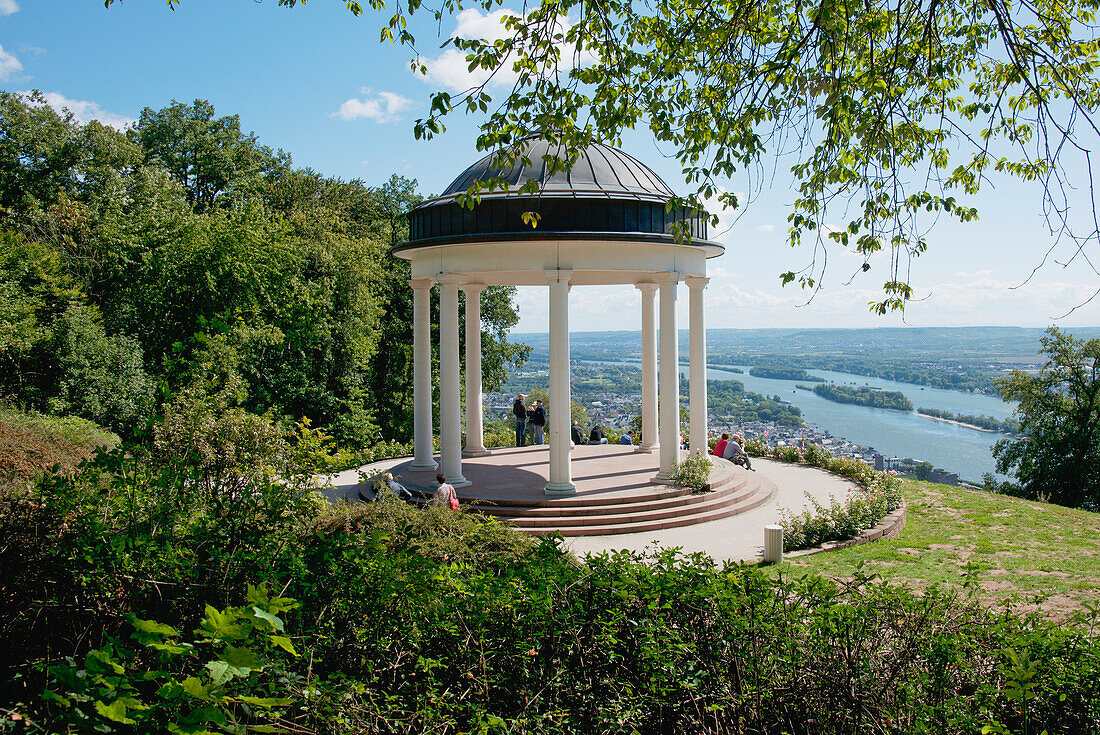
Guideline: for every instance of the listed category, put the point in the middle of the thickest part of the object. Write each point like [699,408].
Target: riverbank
[960,423]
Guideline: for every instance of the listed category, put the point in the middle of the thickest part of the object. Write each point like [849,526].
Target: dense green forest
[729,398]
[181,270]
[782,373]
[864,396]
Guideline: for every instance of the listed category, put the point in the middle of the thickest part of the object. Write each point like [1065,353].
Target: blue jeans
[521,432]
[538,433]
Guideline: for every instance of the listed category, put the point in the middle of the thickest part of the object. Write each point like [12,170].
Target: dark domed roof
[599,171]
[606,195]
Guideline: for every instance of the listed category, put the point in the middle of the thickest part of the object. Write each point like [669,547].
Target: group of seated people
[731,449]
[596,436]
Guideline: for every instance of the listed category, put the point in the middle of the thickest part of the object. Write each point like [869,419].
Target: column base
[662,479]
[476,452]
[459,482]
[558,489]
[647,449]
[423,467]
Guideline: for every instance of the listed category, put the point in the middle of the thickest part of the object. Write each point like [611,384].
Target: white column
[422,375]
[697,355]
[669,377]
[450,410]
[561,472]
[648,442]
[475,432]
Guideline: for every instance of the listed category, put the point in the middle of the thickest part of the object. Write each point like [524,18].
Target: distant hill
[955,358]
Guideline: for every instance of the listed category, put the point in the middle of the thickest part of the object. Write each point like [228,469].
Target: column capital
[699,282]
[473,288]
[558,276]
[420,282]
[450,278]
[667,277]
[646,287]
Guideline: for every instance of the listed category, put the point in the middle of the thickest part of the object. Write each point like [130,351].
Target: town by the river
[955,448]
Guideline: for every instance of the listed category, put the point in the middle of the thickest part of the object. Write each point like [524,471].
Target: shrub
[414,621]
[693,472]
[31,444]
[866,505]
[227,677]
[839,521]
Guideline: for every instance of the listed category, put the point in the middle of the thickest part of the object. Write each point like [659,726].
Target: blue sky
[316,82]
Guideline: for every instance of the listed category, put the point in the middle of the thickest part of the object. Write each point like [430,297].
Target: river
[892,433]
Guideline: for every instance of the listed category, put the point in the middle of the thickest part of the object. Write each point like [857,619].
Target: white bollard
[773,544]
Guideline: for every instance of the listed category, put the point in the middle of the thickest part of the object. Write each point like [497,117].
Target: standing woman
[445,495]
[520,412]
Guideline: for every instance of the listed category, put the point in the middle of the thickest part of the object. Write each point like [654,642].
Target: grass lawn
[1028,554]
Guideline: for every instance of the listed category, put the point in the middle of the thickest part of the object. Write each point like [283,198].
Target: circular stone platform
[617,507]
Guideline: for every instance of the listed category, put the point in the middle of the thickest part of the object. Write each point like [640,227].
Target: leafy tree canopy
[888,114]
[1057,455]
[126,258]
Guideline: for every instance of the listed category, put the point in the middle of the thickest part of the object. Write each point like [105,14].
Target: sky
[316,82]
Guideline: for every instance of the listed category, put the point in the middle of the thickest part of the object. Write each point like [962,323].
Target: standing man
[537,417]
[520,412]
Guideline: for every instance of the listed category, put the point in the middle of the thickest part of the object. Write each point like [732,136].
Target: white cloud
[383,107]
[9,65]
[450,70]
[472,24]
[766,228]
[718,273]
[85,111]
[7,7]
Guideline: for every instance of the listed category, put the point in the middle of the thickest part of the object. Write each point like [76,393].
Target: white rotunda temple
[605,221]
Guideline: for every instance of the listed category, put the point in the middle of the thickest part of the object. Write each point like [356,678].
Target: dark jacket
[537,416]
[576,434]
[519,410]
[597,435]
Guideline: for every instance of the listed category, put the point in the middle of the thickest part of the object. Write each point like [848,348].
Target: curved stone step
[731,492]
[765,491]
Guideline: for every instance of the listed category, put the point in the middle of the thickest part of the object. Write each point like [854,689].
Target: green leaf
[265,702]
[224,626]
[272,620]
[242,658]
[115,711]
[283,643]
[172,648]
[145,629]
[193,687]
[220,672]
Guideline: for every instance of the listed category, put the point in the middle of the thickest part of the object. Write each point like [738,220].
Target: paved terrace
[602,472]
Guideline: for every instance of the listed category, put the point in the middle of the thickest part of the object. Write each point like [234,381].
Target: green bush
[693,472]
[227,677]
[867,504]
[862,508]
[440,622]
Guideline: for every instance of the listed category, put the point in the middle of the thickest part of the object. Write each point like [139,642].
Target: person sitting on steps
[394,486]
[736,454]
[596,436]
[576,433]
